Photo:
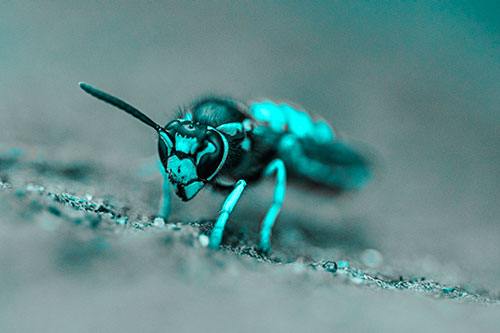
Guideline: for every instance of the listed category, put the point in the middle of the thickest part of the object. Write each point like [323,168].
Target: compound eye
[211,157]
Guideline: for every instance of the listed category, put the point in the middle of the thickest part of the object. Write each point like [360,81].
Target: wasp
[228,144]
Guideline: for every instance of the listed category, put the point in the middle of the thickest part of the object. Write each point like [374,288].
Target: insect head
[191,153]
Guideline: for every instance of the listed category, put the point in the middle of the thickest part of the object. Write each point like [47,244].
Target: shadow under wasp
[217,139]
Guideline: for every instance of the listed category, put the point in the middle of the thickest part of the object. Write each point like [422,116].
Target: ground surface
[76,258]
[415,84]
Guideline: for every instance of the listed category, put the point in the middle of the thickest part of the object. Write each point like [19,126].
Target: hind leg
[275,167]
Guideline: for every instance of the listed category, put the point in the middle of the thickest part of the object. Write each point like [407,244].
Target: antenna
[121,105]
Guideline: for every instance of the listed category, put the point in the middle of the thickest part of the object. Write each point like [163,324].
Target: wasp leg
[165,195]
[227,208]
[276,166]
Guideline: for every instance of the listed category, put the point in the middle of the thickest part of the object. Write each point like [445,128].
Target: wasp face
[192,154]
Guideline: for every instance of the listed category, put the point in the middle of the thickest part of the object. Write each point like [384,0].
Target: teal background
[415,83]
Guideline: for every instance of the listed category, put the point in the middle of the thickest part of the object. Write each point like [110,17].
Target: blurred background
[415,83]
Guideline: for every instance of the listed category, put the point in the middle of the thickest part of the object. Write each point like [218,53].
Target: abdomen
[309,149]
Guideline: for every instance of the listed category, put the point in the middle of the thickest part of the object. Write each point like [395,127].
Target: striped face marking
[193,154]
[182,174]
[192,189]
[185,144]
[181,171]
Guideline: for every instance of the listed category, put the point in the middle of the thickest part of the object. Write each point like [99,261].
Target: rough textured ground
[416,84]
[76,258]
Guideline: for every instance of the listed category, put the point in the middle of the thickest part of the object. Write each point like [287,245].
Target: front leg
[227,208]
[276,166]
[165,195]
[148,170]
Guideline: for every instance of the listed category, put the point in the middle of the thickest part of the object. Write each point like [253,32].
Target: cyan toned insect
[217,140]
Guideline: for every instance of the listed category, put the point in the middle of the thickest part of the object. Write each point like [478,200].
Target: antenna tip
[82,84]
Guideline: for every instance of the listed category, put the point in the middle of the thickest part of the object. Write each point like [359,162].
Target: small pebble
[138,225]
[342,264]
[170,225]
[356,279]
[158,222]
[448,290]
[203,239]
[330,266]
[122,220]
[371,258]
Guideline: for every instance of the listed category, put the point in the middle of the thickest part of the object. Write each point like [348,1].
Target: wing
[335,167]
